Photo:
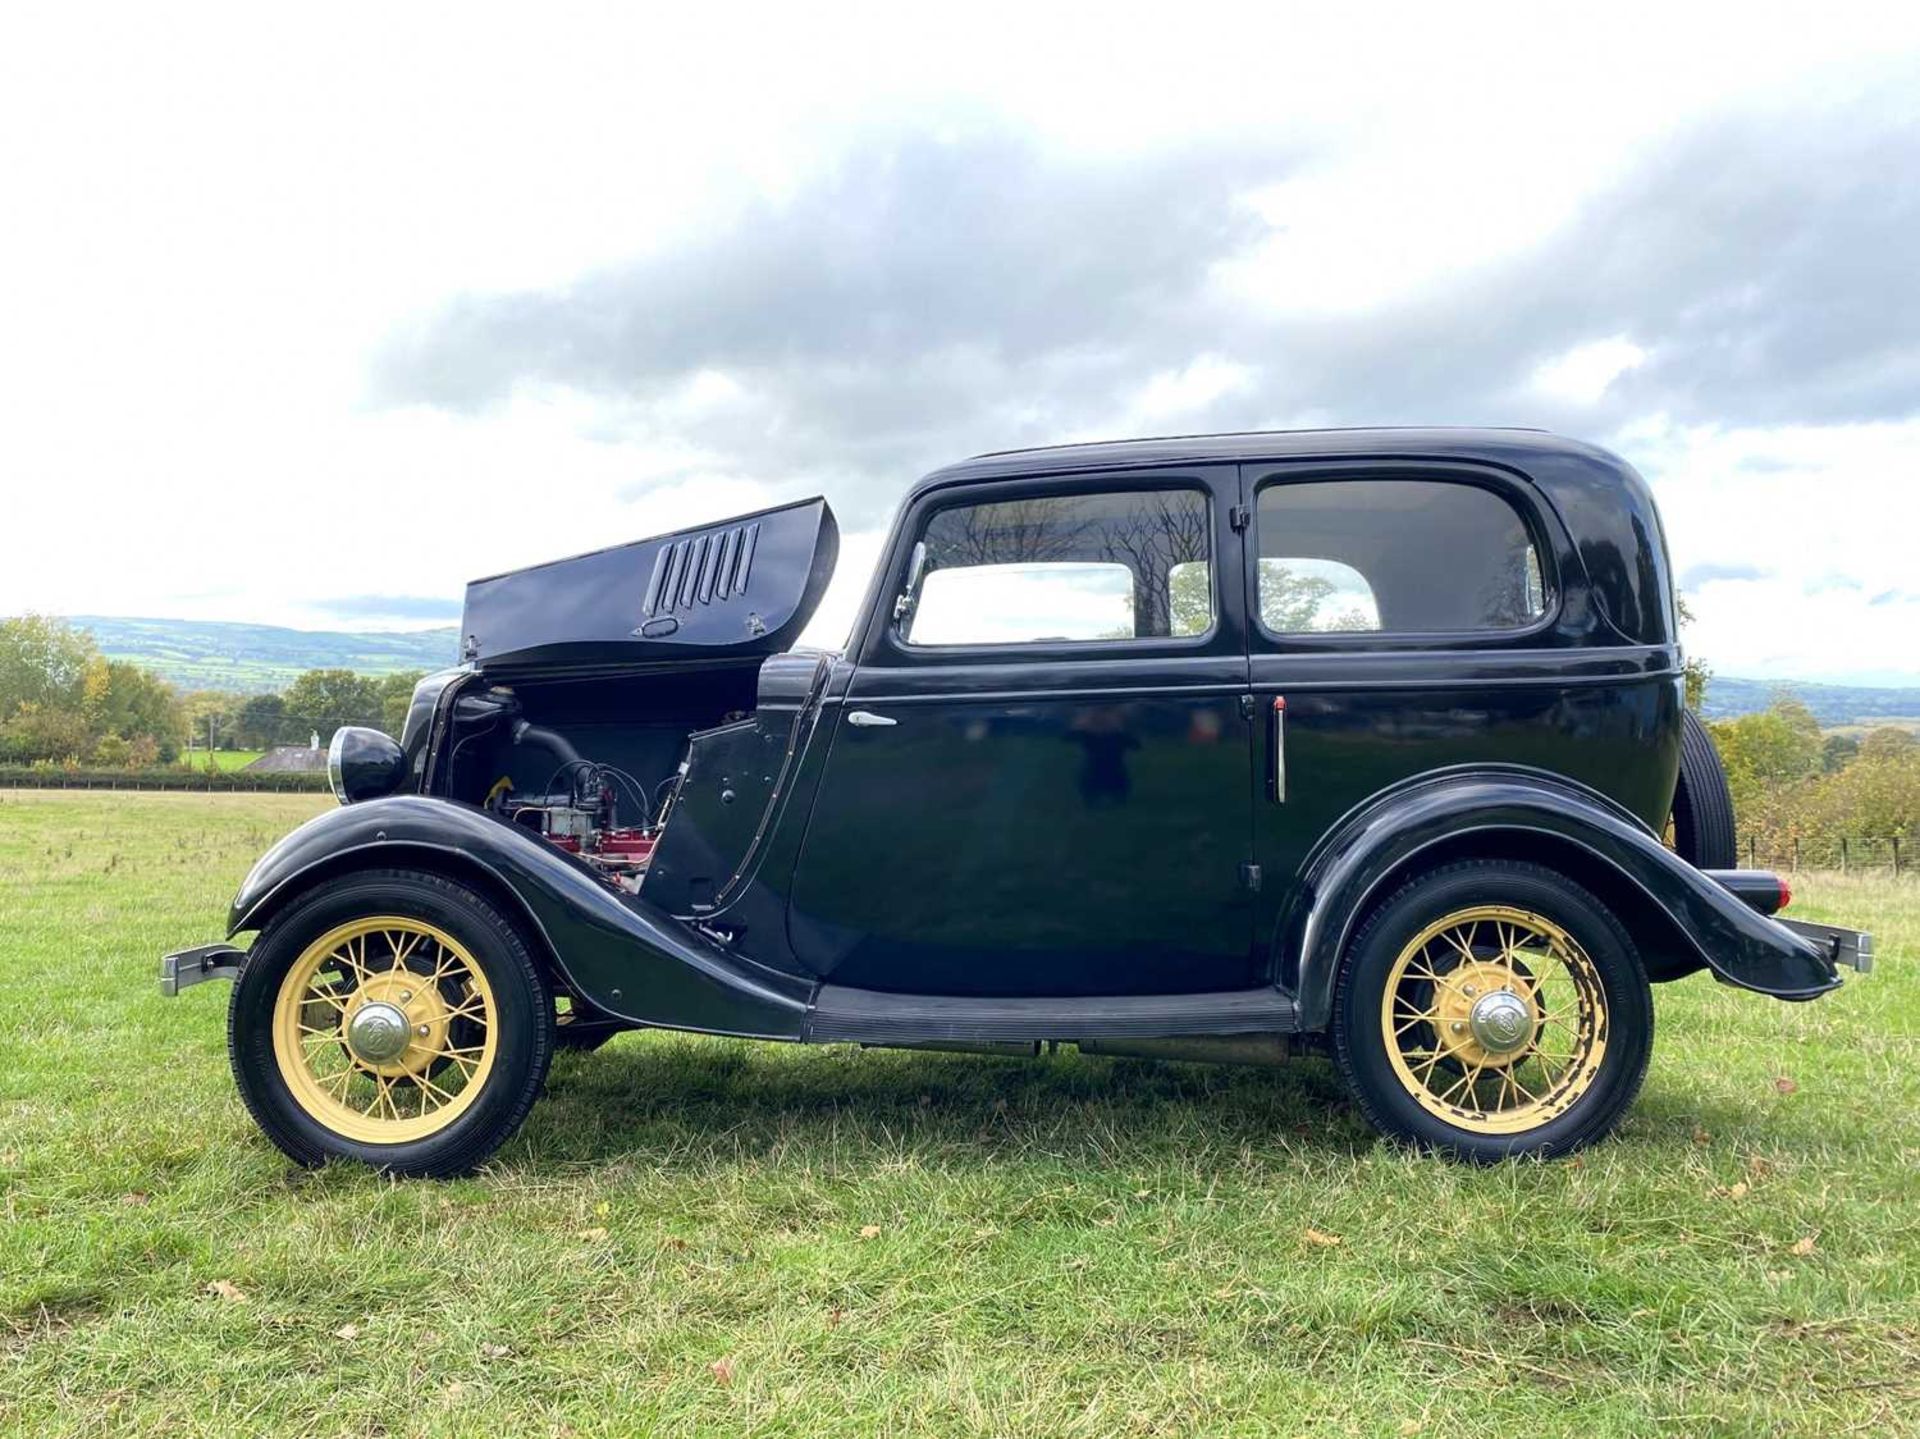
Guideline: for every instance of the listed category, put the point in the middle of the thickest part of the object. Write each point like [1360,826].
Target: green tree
[210,709]
[43,662]
[1768,756]
[1888,742]
[138,704]
[40,734]
[1696,671]
[396,692]
[321,701]
[261,722]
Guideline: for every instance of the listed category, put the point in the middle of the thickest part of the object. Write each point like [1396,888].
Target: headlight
[364,764]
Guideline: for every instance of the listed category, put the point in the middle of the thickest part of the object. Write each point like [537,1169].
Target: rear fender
[627,958]
[1404,830]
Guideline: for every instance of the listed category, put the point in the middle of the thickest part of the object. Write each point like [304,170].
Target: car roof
[1511,446]
[1606,506]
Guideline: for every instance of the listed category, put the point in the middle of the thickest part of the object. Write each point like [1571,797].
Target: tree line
[1793,782]
[63,703]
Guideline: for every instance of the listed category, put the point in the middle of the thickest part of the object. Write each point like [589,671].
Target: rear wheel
[1490,1009]
[392,1017]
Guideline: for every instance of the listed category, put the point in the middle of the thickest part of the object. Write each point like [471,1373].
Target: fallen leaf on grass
[1700,1136]
[1409,1427]
[495,1351]
[347,1331]
[834,1316]
[869,1231]
[1785,1085]
[1321,1239]
[1735,1190]
[592,1236]
[135,1198]
[1801,1247]
[722,1370]
[228,1291]
[602,1210]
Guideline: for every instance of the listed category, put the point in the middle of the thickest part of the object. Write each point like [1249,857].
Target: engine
[584,817]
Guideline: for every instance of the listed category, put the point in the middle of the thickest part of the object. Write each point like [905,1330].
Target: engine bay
[594,767]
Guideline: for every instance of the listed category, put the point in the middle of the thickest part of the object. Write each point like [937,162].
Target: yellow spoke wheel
[385,1029]
[1495,1019]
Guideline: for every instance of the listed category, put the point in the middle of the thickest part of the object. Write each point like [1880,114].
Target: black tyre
[1491,1009]
[1702,804]
[392,1017]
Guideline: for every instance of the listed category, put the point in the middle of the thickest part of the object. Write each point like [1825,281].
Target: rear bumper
[187,967]
[1846,948]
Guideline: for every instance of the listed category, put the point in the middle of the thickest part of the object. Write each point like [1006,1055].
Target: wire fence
[1848,854]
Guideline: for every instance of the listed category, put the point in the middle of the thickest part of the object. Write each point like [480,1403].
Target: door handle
[1279,776]
[866,718]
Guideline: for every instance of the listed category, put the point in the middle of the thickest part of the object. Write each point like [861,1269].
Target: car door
[1406,617]
[1039,781]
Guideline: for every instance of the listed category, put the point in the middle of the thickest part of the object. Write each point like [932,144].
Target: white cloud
[1172,394]
[1583,374]
[1813,523]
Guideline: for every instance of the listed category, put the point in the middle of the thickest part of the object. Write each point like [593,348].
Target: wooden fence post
[1896,856]
[1843,854]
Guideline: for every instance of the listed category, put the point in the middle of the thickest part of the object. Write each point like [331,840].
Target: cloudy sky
[308,323]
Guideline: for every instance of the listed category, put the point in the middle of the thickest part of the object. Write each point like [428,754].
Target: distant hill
[218,654]
[1832,705]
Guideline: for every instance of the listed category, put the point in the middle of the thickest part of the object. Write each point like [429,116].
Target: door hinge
[1239,517]
[1250,877]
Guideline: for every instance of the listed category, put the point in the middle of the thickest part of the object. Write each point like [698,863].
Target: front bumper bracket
[188,967]
[1849,947]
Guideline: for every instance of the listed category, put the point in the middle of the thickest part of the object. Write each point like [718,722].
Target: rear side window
[1393,556]
[1134,564]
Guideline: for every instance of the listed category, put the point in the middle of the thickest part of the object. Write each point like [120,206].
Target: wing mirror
[916,570]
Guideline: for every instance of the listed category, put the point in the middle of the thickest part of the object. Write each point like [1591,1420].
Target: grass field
[223,759]
[704,1237]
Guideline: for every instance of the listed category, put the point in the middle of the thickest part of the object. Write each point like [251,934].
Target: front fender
[1383,840]
[621,954]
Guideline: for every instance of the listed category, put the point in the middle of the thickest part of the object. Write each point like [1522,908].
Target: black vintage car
[1202,748]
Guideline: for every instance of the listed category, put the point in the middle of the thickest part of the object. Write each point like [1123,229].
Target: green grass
[907,1243]
[223,759]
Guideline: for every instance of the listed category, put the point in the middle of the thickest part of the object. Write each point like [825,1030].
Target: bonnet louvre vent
[701,569]
[744,586]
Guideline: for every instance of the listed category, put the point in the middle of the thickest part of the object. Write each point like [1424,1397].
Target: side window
[1393,556]
[1132,564]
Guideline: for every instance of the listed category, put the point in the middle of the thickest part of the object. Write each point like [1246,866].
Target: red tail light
[1786,890]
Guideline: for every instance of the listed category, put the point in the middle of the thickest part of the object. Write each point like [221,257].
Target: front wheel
[392,1017]
[1491,1009]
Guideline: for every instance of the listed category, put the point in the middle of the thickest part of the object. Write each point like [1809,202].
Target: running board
[868,1016]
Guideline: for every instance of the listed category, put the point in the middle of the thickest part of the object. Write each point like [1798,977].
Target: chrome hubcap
[378,1033]
[1502,1022]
